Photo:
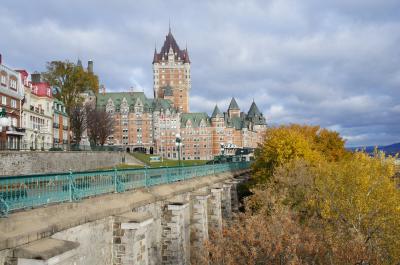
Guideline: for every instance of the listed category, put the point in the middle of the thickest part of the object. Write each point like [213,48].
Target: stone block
[47,251]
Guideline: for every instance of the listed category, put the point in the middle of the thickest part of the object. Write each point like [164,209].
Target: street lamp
[36,136]
[222,151]
[4,121]
[178,143]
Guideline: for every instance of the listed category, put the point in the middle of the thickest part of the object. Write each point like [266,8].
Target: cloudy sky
[332,63]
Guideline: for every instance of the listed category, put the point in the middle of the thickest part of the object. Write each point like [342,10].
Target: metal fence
[19,192]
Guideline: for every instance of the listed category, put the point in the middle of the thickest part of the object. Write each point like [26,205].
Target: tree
[78,121]
[70,80]
[281,145]
[100,125]
[359,195]
[293,142]
[314,203]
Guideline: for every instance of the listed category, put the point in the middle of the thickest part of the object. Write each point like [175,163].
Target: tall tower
[171,73]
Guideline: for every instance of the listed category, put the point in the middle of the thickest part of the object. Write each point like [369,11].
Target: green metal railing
[19,192]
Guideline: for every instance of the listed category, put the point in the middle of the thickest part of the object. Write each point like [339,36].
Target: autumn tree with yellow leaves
[313,202]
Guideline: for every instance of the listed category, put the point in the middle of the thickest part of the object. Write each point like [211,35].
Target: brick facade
[151,125]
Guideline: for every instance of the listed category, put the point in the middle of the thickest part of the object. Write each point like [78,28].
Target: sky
[330,63]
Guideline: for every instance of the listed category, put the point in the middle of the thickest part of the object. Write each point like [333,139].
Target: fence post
[145,175]
[115,180]
[70,185]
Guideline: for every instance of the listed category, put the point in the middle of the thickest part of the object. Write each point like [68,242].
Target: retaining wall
[26,162]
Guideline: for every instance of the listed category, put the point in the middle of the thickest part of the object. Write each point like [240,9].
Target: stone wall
[163,225]
[22,163]
[94,241]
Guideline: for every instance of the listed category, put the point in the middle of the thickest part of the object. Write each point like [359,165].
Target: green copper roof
[235,122]
[233,104]
[253,111]
[216,112]
[195,118]
[161,104]
[168,91]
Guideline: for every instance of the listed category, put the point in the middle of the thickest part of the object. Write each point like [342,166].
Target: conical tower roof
[155,57]
[171,44]
[216,112]
[254,111]
[233,105]
[79,63]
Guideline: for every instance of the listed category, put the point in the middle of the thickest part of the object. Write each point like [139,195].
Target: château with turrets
[152,124]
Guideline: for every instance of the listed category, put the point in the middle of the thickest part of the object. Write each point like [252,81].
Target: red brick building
[151,125]
[171,72]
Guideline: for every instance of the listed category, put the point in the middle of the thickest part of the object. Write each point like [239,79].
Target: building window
[4,100]
[3,79]
[13,103]
[13,83]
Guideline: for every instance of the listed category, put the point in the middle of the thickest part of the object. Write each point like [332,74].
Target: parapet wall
[164,224]
[23,163]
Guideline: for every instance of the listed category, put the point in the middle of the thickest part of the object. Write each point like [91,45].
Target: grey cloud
[334,63]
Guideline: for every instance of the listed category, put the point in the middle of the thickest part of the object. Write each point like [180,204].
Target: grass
[145,158]
[121,166]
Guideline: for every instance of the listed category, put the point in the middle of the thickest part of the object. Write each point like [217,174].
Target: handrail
[20,192]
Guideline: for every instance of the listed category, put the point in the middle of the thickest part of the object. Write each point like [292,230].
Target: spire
[253,111]
[79,63]
[233,105]
[216,112]
[169,26]
[186,56]
[155,57]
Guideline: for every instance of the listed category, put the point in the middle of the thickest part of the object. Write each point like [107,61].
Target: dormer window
[13,83]
[3,78]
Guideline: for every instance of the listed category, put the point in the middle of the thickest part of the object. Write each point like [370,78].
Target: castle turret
[171,67]
[233,110]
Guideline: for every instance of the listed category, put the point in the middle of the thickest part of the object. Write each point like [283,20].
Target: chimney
[0,59]
[90,66]
[36,78]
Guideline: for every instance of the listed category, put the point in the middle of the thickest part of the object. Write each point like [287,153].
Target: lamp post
[178,143]
[36,137]
[222,150]
[4,122]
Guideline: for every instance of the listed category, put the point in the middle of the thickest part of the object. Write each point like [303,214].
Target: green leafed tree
[70,80]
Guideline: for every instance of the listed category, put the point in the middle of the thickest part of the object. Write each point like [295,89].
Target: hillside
[388,149]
